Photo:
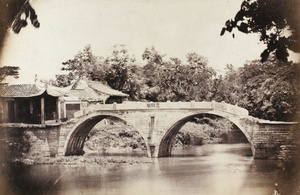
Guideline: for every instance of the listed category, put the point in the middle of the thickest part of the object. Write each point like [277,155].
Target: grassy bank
[81,160]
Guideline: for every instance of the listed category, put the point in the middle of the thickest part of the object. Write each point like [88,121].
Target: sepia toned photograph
[149,97]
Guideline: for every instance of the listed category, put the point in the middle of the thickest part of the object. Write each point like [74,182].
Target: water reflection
[209,170]
[212,169]
[212,149]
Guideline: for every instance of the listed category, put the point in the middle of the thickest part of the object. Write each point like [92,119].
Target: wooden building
[39,103]
[28,103]
[85,92]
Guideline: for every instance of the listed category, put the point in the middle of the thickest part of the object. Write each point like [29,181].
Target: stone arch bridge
[159,122]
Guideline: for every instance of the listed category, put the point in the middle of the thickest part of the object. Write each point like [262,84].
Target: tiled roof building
[21,90]
[94,91]
[39,102]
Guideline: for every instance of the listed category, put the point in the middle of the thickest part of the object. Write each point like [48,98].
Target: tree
[271,19]
[154,63]
[62,80]
[196,61]
[118,74]
[192,81]
[152,56]
[173,81]
[227,88]
[82,65]
[150,85]
[267,90]
[117,70]
[9,71]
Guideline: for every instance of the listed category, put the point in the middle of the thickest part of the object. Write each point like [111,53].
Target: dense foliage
[268,90]
[271,19]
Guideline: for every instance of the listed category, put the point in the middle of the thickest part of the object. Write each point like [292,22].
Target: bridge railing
[233,109]
[129,105]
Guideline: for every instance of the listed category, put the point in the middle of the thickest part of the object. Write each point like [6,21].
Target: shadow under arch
[77,136]
[165,146]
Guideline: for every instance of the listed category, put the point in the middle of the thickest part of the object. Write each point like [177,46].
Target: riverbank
[81,160]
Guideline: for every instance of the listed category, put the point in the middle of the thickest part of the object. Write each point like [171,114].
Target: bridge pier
[152,150]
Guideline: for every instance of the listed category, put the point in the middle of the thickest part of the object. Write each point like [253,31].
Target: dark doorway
[11,112]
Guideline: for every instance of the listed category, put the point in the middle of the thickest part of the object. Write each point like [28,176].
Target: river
[208,170]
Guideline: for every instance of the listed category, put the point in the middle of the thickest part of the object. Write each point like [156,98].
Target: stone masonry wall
[276,141]
[28,142]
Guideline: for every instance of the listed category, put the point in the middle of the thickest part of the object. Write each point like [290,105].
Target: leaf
[239,16]
[282,54]
[271,47]
[264,55]
[223,31]
[229,28]
[243,27]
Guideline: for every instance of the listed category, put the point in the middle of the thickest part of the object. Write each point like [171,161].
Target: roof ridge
[111,90]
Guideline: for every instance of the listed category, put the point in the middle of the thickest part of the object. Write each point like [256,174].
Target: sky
[173,27]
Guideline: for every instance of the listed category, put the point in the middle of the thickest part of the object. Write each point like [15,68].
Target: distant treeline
[268,90]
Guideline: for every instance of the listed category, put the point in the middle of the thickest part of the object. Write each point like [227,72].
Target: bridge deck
[170,106]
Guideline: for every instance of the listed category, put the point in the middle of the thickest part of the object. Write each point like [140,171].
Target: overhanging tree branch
[271,19]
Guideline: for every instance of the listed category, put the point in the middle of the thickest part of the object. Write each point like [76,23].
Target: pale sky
[173,27]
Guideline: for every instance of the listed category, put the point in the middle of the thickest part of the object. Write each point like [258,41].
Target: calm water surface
[208,170]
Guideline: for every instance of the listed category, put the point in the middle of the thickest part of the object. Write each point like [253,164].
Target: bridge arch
[165,145]
[76,137]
